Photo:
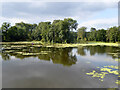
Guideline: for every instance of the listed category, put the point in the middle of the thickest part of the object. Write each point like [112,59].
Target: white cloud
[37,5]
[60,0]
[100,23]
[12,20]
[42,9]
[34,12]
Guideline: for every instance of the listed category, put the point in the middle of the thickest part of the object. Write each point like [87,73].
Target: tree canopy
[58,31]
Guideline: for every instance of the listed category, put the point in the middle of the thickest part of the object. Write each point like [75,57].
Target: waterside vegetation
[58,31]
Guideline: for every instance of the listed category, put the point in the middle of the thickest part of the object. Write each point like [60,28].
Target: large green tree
[81,34]
[101,35]
[4,29]
[28,29]
[59,31]
[93,33]
[113,34]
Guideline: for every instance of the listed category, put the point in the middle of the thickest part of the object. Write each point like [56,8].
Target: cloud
[60,0]
[12,20]
[66,9]
[100,23]
[35,12]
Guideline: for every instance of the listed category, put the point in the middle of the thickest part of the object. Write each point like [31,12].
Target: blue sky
[89,14]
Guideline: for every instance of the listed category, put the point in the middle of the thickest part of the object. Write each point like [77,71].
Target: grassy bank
[89,44]
[58,45]
[22,43]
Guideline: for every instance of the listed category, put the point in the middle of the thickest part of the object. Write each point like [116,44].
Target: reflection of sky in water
[98,60]
[33,72]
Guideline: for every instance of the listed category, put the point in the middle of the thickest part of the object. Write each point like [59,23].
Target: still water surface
[57,67]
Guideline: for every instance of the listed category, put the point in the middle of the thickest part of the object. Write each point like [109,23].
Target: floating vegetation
[9,51]
[17,46]
[39,44]
[99,75]
[105,71]
[30,54]
[45,51]
[115,67]
[22,43]
[114,54]
[7,48]
[109,70]
[14,48]
[117,82]
[36,45]
[91,73]
[118,60]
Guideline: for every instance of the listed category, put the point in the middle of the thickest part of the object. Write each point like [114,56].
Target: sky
[102,14]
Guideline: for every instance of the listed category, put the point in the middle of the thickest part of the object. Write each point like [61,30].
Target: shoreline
[58,45]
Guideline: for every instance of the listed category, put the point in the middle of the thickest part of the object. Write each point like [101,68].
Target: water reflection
[110,51]
[81,51]
[57,55]
[31,73]
[5,56]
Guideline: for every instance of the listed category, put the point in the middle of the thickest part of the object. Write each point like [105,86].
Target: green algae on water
[104,71]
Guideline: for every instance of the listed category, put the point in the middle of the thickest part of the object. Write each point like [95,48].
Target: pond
[41,67]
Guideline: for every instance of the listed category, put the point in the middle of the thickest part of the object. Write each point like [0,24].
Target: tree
[81,34]
[69,25]
[101,35]
[92,36]
[28,29]
[5,27]
[16,34]
[55,31]
[59,31]
[113,34]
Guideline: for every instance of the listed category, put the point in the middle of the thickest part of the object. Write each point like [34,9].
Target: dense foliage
[59,31]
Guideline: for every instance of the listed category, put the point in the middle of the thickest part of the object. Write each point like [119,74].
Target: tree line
[58,31]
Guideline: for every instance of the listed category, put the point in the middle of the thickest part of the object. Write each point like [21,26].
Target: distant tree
[69,25]
[28,29]
[59,31]
[113,34]
[36,34]
[92,36]
[101,35]
[5,27]
[16,34]
[81,33]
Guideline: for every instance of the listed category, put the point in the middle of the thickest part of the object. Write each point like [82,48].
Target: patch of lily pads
[117,82]
[106,70]
[118,60]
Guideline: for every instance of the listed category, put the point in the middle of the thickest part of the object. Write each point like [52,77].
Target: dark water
[57,67]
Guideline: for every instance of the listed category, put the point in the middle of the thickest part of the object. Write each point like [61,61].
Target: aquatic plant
[117,82]
[105,71]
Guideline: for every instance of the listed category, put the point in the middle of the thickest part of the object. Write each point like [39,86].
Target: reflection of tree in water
[103,50]
[63,56]
[81,51]
[99,50]
[5,56]
[57,55]
[60,56]
[96,49]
